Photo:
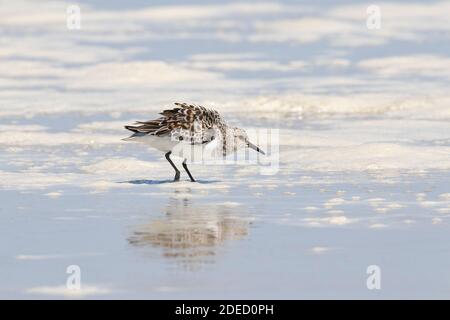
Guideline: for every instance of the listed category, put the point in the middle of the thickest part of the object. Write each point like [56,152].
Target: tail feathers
[132,128]
[145,127]
[136,133]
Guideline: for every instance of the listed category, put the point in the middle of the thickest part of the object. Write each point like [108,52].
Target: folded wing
[189,123]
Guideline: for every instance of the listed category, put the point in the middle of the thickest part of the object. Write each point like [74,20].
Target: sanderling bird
[189,130]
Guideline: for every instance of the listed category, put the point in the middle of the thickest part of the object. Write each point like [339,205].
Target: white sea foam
[33,257]
[16,180]
[371,157]
[120,165]
[320,250]
[85,290]
[19,137]
[322,106]
[54,194]
[327,221]
[445,196]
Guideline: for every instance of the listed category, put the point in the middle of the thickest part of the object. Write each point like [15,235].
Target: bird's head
[241,138]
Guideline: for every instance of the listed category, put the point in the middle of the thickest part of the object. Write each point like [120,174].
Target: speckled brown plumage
[185,118]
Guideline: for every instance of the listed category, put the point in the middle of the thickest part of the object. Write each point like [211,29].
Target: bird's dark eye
[212,138]
[180,138]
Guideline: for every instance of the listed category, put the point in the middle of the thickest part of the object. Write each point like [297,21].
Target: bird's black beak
[254,147]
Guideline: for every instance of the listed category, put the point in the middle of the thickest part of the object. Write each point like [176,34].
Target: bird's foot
[177,177]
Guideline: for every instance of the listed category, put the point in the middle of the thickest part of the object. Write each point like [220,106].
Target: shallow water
[358,173]
[298,239]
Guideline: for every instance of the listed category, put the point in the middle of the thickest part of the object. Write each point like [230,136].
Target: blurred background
[358,90]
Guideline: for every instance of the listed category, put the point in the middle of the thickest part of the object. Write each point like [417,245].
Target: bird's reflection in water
[191,234]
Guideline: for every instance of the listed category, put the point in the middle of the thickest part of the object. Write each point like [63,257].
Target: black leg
[186,168]
[177,172]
